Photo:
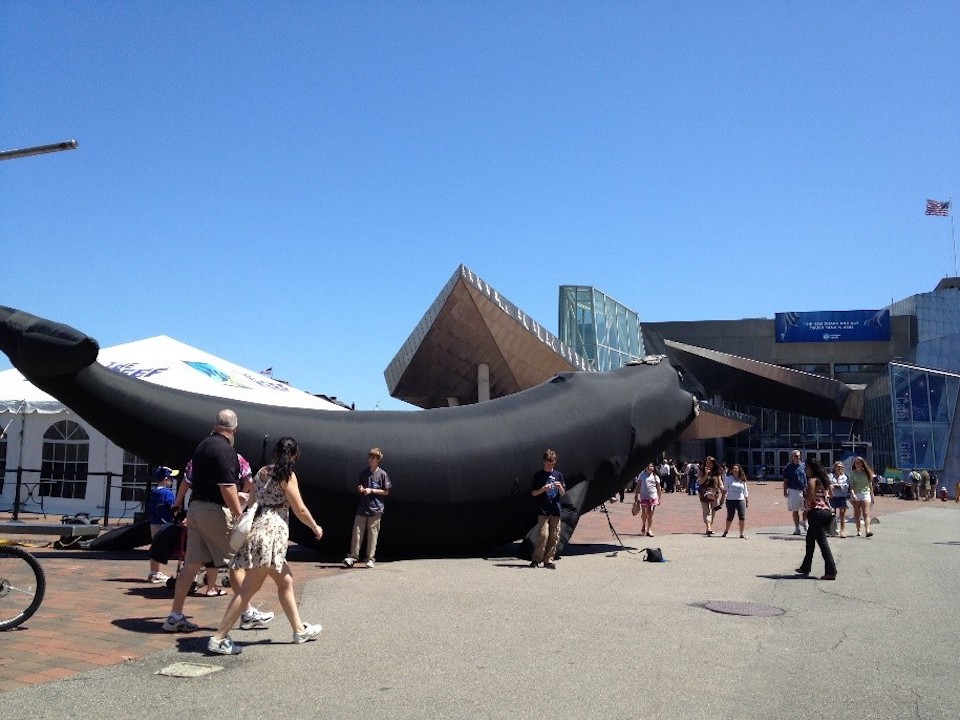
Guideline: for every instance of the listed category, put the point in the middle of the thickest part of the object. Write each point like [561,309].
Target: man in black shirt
[214,504]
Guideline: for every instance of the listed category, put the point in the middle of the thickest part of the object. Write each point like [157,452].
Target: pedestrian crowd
[237,520]
[818,501]
[221,488]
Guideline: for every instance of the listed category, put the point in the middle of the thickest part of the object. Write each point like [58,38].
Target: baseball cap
[164,472]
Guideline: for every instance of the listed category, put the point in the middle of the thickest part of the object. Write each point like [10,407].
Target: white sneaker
[255,620]
[804,526]
[176,622]
[309,632]
[796,531]
[369,563]
[157,578]
[349,562]
[222,647]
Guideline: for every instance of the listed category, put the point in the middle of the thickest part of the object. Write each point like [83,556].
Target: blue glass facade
[908,414]
[909,411]
[598,327]
[909,403]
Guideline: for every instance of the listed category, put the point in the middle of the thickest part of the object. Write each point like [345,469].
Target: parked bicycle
[22,585]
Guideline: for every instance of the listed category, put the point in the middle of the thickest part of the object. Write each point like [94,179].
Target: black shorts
[738,507]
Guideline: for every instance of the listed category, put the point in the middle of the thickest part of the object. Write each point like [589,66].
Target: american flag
[935,207]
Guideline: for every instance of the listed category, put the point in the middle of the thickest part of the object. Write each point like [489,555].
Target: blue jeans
[818,523]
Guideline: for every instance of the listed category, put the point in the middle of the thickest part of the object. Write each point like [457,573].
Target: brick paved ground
[99,610]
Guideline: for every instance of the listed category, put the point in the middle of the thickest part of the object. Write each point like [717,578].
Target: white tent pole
[3,433]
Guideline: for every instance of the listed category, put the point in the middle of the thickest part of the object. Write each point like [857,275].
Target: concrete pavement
[606,635]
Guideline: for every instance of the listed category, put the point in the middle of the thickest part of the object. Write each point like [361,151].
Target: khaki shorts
[208,534]
[794,500]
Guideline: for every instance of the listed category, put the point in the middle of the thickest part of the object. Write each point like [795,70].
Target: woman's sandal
[216,592]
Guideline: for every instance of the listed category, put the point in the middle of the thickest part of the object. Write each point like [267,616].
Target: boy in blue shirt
[547,489]
[160,510]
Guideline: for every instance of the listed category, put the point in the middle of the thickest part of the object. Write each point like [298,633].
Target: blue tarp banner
[833,326]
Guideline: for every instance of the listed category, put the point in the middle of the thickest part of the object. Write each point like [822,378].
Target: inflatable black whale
[461,475]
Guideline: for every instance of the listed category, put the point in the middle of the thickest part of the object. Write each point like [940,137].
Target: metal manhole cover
[743,608]
[188,670]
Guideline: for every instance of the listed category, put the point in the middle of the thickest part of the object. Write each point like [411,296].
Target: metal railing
[29,490]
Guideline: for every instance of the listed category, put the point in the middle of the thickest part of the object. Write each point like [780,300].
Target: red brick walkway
[99,610]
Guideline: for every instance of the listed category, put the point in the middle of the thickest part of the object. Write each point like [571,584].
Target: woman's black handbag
[654,555]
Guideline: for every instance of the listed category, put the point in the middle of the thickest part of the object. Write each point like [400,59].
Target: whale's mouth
[41,348]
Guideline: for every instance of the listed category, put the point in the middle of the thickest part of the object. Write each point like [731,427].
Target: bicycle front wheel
[22,584]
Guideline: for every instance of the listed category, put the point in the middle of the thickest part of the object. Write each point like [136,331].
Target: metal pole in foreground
[38,150]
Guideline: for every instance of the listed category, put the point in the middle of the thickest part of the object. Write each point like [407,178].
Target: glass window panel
[939,410]
[65,459]
[901,393]
[953,386]
[941,438]
[611,312]
[903,436]
[923,456]
[601,327]
[919,397]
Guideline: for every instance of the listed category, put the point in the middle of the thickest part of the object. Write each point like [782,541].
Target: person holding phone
[548,487]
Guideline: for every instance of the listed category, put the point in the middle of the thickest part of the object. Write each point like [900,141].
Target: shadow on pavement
[787,576]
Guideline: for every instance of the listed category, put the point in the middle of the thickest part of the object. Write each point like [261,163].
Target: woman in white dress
[264,554]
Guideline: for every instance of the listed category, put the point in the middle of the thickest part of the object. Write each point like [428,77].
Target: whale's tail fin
[41,348]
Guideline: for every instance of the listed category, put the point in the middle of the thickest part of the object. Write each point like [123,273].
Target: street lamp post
[38,150]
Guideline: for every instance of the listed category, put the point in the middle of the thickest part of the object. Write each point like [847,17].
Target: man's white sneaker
[157,578]
[222,647]
[176,622]
[349,562]
[369,563]
[309,632]
[255,620]
[796,531]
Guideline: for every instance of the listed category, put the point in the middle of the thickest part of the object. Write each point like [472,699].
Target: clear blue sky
[291,184]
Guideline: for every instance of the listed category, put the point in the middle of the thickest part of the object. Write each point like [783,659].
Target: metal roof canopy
[470,323]
[752,382]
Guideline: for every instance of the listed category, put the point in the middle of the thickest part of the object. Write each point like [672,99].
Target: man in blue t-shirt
[548,488]
[794,483]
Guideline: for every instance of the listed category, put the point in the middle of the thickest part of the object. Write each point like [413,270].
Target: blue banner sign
[833,326]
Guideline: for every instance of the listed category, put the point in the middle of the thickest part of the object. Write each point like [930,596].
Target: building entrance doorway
[768,464]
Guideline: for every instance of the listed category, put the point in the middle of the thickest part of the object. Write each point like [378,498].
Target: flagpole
[953,238]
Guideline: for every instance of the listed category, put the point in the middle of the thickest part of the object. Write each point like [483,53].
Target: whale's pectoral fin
[571,505]
[43,348]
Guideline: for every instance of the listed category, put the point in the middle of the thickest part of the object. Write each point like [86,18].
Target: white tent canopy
[168,362]
[18,395]
[110,478]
